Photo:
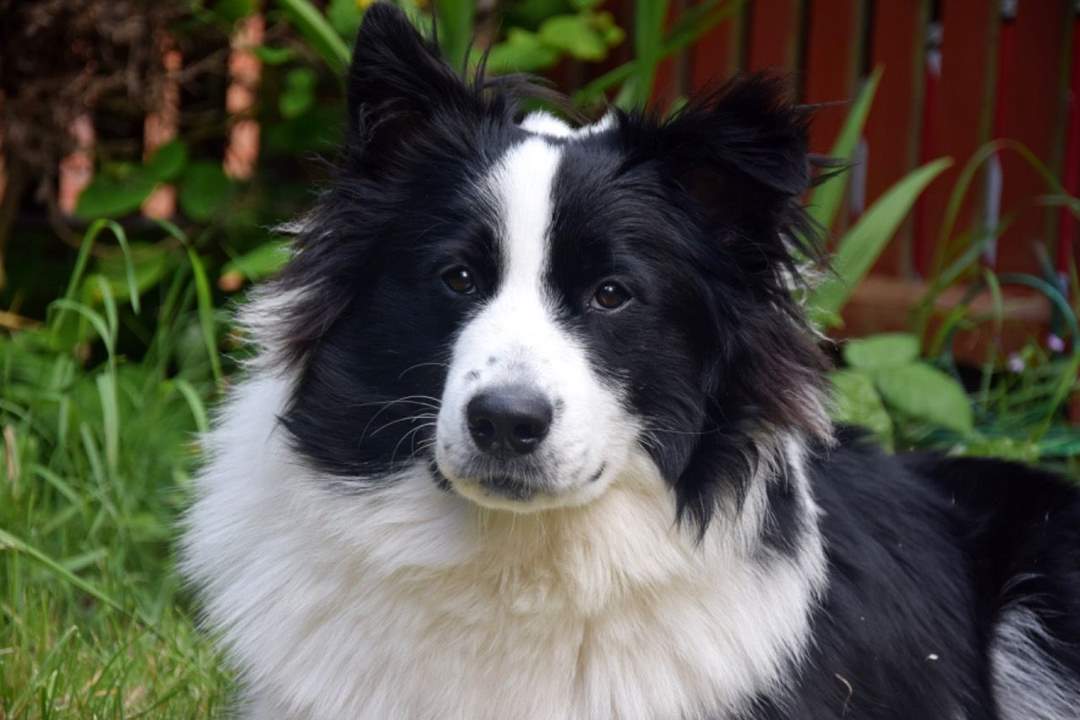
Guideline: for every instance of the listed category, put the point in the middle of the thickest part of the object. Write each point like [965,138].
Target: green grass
[96,457]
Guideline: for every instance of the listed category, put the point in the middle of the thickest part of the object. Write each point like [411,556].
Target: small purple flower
[1055,343]
[1015,363]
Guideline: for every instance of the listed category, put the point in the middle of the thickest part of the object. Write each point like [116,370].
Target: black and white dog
[538,431]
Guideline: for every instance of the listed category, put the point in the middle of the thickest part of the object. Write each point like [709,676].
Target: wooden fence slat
[832,65]
[715,57]
[774,34]
[161,127]
[245,71]
[1031,110]
[1068,235]
[669,84]
[960,122]
[892,129]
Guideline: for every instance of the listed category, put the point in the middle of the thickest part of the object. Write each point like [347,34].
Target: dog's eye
[610,295]
[460,279]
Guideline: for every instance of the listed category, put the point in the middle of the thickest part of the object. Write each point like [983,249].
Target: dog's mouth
[513,492]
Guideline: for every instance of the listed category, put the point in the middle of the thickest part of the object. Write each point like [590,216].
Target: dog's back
[954,591]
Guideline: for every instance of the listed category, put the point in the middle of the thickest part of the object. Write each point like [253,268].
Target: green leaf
[862,244]
[204,191]
[856,402]
[306,18]
[923,392]
[344,16]
[522,51]
[882,351]
[455,29]
[650,20]
[135,272]
[109,197]
[261,262]
[168,161]
[232,10]
[575,35]
[826,198]
[298,94]
[274,55]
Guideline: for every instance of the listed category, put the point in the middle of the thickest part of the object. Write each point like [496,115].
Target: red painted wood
[668,84]
[774,34]
[892,129]
[1030,107]
[1068,228]
[831,66]
[715,57]
[959,123]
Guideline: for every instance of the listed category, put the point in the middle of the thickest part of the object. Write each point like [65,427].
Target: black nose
[509,420]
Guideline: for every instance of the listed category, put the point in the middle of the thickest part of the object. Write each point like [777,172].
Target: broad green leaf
[261,262]
[856,402]
[168,161]
[925,393]
[108,197]
[204,191]
[862,244]
[344,16]
[298,94]
[131,274]
[522,51]
[315,28]
[826,198]
[881,351]
[575,35]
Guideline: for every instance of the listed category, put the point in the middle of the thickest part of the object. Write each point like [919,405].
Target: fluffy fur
[691,538]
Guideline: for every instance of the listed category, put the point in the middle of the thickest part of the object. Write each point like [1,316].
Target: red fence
[957,75]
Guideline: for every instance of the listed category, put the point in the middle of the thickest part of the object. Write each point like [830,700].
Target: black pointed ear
[740,153]
[397,81]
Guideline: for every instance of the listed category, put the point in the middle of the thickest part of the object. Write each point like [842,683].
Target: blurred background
[147,150]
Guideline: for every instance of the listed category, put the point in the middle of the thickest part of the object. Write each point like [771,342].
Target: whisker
[411,418]
[420,365]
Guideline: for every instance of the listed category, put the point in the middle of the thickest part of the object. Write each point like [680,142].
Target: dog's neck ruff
[407,601]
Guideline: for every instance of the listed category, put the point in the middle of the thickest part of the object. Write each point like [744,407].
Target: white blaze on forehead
[543,123]
[522,184]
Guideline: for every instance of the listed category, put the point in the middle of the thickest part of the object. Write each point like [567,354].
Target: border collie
[537,430]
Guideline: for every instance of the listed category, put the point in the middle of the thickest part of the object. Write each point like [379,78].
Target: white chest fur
[409,602]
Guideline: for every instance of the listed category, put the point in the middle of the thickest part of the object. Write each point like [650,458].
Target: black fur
[699,217]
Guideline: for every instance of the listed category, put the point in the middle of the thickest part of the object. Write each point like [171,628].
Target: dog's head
[528,309]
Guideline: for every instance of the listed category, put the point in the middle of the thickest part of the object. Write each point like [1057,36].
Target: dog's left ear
[397,84]
[740,155]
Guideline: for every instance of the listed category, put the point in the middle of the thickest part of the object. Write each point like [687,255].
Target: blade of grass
[318,31]
[826,198]
[455,29]
[862,244]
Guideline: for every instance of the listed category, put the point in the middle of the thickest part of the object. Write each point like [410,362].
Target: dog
[537,429]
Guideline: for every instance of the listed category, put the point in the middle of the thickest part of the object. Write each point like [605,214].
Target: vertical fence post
[245,70]
[162,125]
[77,168]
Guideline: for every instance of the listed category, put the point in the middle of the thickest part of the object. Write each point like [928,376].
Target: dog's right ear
[397,83]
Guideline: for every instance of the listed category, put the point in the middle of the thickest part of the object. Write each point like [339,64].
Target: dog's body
[537,431]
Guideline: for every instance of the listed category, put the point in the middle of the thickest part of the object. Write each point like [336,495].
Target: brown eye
[459,279]
[610,295]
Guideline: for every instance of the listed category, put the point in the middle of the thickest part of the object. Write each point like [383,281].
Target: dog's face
[523,307]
